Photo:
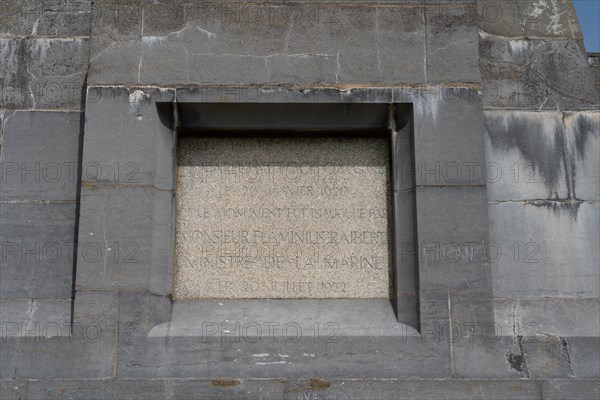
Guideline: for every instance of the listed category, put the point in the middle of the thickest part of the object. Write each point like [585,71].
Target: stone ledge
[310,388]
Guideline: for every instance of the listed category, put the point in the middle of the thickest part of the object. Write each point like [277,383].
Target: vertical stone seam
[567,158]
[450,337]
[1,131]
[117,329]
[424,13]
[141,46]
[175,171]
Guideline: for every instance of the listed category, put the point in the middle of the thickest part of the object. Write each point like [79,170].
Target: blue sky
[588,12]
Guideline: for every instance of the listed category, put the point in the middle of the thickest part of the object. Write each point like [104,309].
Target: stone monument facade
[342,199]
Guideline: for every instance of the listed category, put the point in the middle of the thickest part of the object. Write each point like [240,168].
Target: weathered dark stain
[527,134]
[516,361]
[572,207]
[582,127]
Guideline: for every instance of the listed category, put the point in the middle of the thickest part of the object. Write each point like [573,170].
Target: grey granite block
[524,74]
[526,18]
[13,389]
[536,242]
[217,43]
[116,42]
[452,240]
[89,352]
[448,148]
[56,71]
[452,43]
[40,155]
[480,347]
[584,356]
[146,147]
[558,389]
[116,237]
[45,18]
[14,83]
[558,317]
[37,249]
[494,357]
[43,73]
[39,319]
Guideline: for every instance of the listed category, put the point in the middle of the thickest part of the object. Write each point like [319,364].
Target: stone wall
[594,60]
[506,82]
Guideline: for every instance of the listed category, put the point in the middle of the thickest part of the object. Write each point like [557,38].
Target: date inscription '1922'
[297,217]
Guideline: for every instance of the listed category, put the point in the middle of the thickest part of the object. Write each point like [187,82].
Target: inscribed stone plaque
[283,217]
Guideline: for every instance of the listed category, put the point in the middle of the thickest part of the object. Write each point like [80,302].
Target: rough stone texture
[13,389]
[313,388]
[530,19]
[13,74]
[157,389]
[414,389]
[311,44]
[303,217]
[40,156]
[44,73]
[546,357]
[45,18]
[452,43]
[527,74]
[594,60]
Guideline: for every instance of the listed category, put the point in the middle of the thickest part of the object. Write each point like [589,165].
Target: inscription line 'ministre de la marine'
[283,217]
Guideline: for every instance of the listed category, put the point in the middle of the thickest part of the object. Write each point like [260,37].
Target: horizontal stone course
[313,388]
